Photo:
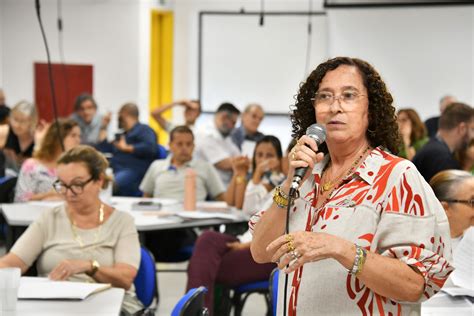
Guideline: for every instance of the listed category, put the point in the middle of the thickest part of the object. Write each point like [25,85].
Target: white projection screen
[241,61]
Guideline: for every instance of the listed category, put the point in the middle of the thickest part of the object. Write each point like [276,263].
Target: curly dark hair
[382,129]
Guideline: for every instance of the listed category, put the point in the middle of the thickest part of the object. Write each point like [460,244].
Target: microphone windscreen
[317,132]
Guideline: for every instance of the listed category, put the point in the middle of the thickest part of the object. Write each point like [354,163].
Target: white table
[19,215]
[105,303]
[444,305]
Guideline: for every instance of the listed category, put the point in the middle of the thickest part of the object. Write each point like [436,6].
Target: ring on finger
[293,155]
[295,254]
[290,247]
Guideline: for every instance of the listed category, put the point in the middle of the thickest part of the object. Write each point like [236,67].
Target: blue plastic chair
[146,285]
[161,152]
[242,292]
[274,289]
[191,304]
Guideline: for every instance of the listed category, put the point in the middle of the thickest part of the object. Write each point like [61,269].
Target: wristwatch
[94,267]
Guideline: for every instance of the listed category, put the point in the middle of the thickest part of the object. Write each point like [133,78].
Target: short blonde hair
[28,109]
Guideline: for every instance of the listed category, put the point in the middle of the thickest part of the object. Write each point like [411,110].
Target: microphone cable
[287,231]
[262,9]
[51,80]
[61,52]
[309,39]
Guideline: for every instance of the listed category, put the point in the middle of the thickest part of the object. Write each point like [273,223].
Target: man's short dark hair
[455,114]
[182,129]
[131,109]
[229,108]
[83,97]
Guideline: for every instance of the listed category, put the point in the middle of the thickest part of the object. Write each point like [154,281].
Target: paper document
[458,291]
[463,261]
[206,215]
[32,288]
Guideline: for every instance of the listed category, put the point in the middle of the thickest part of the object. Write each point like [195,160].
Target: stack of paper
[462,276]
[45,289]
[206,215]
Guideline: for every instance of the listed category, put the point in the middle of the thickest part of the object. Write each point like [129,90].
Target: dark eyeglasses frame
[69,187]
[468,202]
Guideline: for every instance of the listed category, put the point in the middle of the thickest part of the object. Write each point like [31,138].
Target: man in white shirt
[165,177]
[215,144]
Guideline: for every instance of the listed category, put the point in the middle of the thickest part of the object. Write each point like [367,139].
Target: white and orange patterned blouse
[385,207]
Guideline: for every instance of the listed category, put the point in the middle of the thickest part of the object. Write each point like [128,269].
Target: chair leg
[269,304]
[225,306]
[238,304]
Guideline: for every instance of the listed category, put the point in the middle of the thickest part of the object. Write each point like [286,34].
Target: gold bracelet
[280,198]
[359,261]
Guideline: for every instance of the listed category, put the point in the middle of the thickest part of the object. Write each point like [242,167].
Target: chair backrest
[191,304]
[145,281]
[7,189]
[274,289]
[161,152]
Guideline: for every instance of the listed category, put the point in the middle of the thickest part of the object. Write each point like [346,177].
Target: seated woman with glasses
[37,174]
[455,190]
[83,239]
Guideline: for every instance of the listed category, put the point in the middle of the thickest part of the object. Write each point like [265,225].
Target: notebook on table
[32,288]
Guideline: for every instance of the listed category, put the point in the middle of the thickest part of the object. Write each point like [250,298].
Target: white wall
[103,33]
[422,53]
[186,33]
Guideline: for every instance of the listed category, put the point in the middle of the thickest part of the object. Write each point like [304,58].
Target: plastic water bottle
[190,190]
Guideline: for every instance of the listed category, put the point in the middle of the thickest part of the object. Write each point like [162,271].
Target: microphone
[318,133]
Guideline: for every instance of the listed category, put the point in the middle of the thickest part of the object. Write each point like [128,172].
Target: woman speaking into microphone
[366,233]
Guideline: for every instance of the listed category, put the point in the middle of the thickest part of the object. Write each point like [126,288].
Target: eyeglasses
[468,202]
[76,188]
[328,98]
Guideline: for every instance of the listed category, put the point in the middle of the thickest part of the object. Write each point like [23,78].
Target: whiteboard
[242,62]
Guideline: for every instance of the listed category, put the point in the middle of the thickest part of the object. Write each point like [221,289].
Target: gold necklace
[331,183]
[78,238]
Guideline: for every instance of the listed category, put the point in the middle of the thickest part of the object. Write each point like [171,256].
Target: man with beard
[456,128]
[133,151]
[216,146]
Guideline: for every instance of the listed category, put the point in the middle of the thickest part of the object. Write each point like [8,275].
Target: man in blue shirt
[133,151]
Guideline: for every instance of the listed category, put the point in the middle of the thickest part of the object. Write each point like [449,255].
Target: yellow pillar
[161,66]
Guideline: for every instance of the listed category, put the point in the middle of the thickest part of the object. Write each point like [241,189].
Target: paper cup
[9,283]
